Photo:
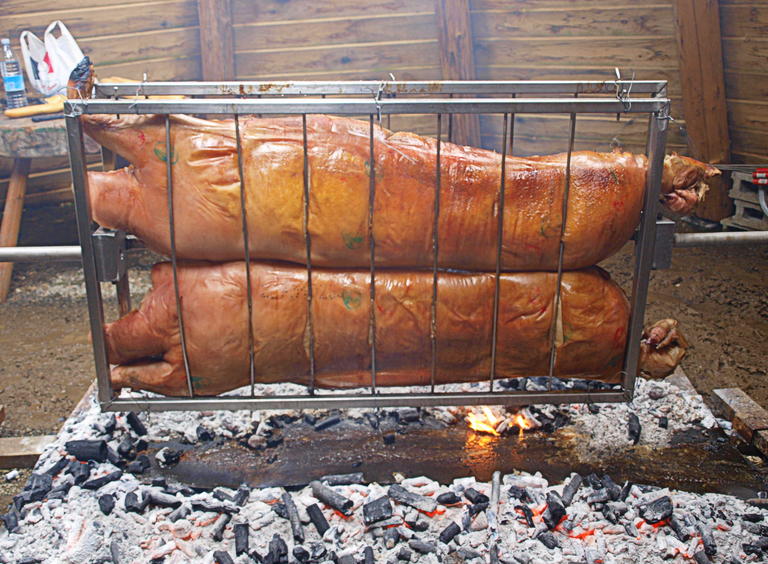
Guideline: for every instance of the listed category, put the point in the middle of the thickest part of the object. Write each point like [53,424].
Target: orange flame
[485,423]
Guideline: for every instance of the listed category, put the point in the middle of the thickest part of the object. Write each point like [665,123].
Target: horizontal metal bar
[344,401]
[63,253]
[720,239]
[359,106]
[373,87]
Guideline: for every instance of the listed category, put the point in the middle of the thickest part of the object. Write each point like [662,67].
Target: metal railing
[374,99]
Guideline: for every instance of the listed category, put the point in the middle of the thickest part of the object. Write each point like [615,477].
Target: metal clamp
[665,241]
[109,250]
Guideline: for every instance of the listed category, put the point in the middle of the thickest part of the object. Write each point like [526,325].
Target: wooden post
[457,60]
[9,231]
[216,39]
[700,57]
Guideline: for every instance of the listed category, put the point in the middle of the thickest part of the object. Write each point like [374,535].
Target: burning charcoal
[139,466]
[54,470]
[134,503]
[401,495]
[701,557]
[548,539]
[242,494]
[570,489]
[408,414]
[135,423]
[449,533]
[389,438]
[331,497]
[85,450]
[11,520]
[327,422]
[473,510]
[404,554]
[664,422]
[201,505]
[222,557]
[168,456]
[126,449]
[96,483]
[633,428]
[277,551]
[475,496]
[106,503]
[520,493]
[391,538]
[203,434]
[657,510]
[598,496]
[301,554]
[241,539]
[753,517]
[448,498]
[419,525]
[555,510]
[421,547]
[527,513]
[79,471]
[162,499]
[60,491]
[343,479]
[613,489]
[318,519]
[710,548]
[180,512]
[750,549]
[221,524]
[221,495]
[368,555]
[293,516]
[377,510]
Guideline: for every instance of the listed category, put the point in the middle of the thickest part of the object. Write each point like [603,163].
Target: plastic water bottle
[13,79]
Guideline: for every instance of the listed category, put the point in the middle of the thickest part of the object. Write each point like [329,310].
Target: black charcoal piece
[331,498]
[391,538]
[20,500]
[162,499]
[180,512]
[519,493]
[242,494]
[593,408]
[377,510]
[201,505]
[139,466]
[317,551]
[625,490]
[110,424]
[657,510]
[753,517]
[141,445]
[277,550]
[343,479]
[134,503]
[54,470]
[221,524]
[221,495]
[548,539]
[598,496]
[404,554]
[241,539]
[38,486]
[389,438]
[135,423]
[11,520]
[613,489]
[96,483]
[203,434]
[664,422]
[449,533]
[168,456]
[473,510]
[126,449]
[475,496]
[373,420]
[419,525]
[701,557]
[408,414]
[633,428]
[327,422]
[29,560]
[106,503]
[297,529]
[555,510]
[346,559]
[570,489]
[448,498]
[318,519]
[222,557]
[421,547]
[60,491]
[710,547]
[85,450]
[113,457]
[275,439]
[368,557]
[300,553]
[750,549]
[401,495]
[527,514]
[594,481]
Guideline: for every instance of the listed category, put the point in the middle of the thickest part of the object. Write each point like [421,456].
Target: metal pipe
[720,239]
[63,253]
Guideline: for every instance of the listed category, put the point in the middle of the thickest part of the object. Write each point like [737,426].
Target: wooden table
[22,140]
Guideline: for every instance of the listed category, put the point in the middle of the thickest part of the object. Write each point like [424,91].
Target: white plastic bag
[50,62]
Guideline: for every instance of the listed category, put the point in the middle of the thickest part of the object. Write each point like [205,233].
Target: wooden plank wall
[354,39]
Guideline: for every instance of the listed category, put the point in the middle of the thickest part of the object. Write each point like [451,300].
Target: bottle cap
[5,41]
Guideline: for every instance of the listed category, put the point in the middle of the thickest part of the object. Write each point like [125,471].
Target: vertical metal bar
[450,124]
[499,246]
[122,285]
[559,279]
[646,239]
[308,240]
[247,253]
[435,248]
[85,230]
[512,130]
[372,243]
[174,265]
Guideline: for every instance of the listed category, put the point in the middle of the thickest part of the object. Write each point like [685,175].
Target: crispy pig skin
[606,195]
[589,334]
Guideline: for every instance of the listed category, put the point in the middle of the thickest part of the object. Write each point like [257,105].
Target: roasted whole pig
[590,330]
[605,200]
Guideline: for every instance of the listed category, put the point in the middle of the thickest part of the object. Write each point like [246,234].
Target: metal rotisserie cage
[103,249]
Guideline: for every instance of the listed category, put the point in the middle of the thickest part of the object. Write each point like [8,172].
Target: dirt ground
[717,294]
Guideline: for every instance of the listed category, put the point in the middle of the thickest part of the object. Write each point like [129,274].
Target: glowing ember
[522,422]
[485,423]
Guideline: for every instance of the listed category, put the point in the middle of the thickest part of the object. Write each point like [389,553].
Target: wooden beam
[9,231]
[700,60]
[457,60]
[23,452]
[216,39]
